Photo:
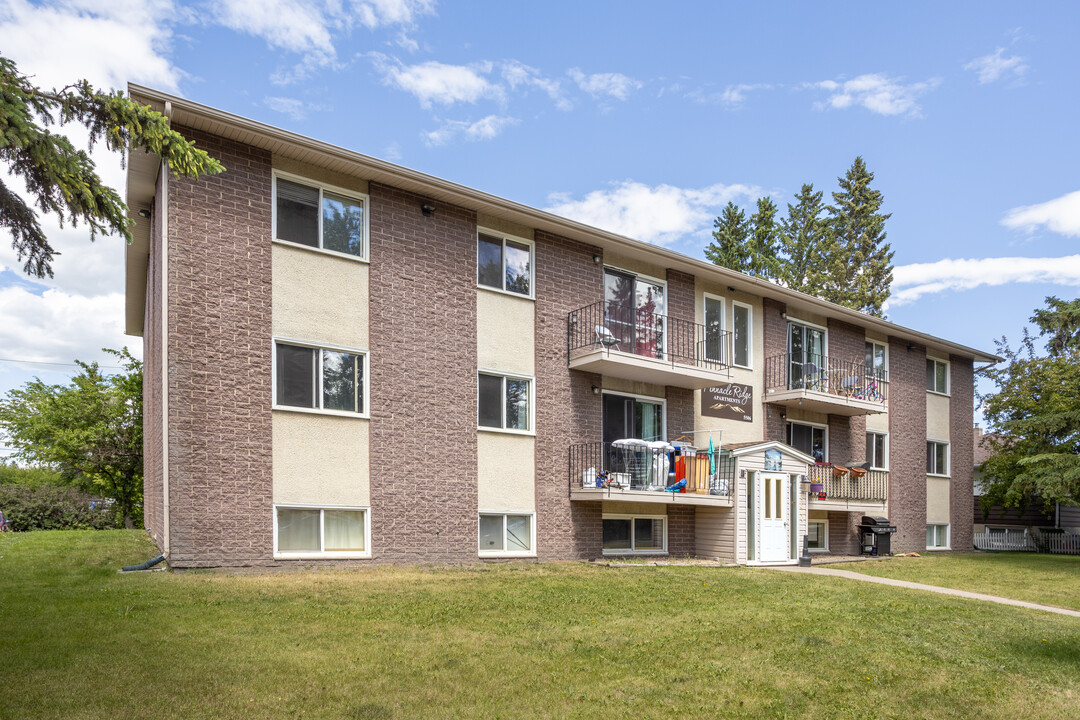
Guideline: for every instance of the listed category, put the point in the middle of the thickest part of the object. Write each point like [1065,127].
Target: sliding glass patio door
[634,312]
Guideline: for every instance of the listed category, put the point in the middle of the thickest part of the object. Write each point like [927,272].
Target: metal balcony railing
[609,465]
[843,483]
[820,373]
[647,334]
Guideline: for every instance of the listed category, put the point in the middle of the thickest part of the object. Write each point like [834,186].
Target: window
[623,534]
[937,458]
[503,402]
[319,378]
[876,363]
[504,263]
[817,534]
[742,326]
[806,353]
[320,531]
[310,215]
[810,439]
[506,534]
[937,537]
[937,376]
[876,450]
[714,329]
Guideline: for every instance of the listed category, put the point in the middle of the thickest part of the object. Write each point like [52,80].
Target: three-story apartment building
[350,361]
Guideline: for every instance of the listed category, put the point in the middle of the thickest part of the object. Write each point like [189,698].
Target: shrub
[49,507]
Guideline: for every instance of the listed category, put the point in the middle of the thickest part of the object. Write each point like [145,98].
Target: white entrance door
[774,497]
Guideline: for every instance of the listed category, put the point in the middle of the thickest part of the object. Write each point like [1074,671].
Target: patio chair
[606,338]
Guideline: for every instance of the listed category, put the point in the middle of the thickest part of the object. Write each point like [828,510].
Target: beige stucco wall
[320,175]
[320,298]
[505,340]
[937,417]
[504,226]
[630,387]
[878,422]
[506,472]
[937,500]
[320,459]
[618,507]
[621,262]
[735,431]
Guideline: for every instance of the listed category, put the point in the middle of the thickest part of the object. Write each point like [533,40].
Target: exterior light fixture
[595,390]
[427,208]
[596,259]
[144,213]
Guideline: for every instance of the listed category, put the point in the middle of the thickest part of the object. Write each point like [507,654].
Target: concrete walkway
[929,588]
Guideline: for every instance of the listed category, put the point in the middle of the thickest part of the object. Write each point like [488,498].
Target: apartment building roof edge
[142,173]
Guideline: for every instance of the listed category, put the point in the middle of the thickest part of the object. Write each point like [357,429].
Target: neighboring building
[1013,525]
[347,360]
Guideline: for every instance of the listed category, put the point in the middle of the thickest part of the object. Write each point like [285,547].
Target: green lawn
[1047,579]
[513,641]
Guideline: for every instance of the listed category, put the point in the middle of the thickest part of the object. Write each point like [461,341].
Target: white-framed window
[632,534]
[937,458]
[809,438]
[817,534]
[937,536]
[305,531]
[320,217]
[742,334]
[504,262]
[504,402]
[319,378]
[714,328]
[506,534]
[877,359]
[937,376]
[877,450]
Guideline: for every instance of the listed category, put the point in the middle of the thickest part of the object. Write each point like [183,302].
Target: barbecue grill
[876,535]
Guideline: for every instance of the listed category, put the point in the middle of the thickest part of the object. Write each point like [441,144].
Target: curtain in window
[344,530]
[298,530]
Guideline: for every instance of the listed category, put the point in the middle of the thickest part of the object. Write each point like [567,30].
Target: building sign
[731,401]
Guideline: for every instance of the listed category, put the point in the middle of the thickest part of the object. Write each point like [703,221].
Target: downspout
[164,370]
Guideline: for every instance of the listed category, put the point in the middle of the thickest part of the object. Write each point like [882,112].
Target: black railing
[820,373]
[633,467]
[647,334]
[844,483]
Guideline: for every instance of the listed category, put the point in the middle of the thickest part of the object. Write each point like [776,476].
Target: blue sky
[640,118]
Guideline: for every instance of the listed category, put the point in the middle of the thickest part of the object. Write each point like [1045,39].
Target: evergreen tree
[859,263]
[803,242]
[62,179]
[729,248]
[763,260]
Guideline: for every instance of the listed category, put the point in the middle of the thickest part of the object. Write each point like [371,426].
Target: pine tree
[729,248]
[859,263]
[60,178]
[763,260]
[803,242]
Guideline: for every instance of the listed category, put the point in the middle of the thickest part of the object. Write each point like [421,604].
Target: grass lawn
[513,641]
[1037,578]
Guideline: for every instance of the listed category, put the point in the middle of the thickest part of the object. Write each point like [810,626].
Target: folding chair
[606,338]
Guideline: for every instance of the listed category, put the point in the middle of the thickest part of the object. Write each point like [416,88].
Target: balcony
[612,471]
[848,489]
[643,346]
[826,385]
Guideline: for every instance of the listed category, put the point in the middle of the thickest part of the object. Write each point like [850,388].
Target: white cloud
[57,326]
[287,106]
[661,214]
[732,97]
[911,282]
[108,44]
[996,65]
[1060,215]
[483,129]
[436,82]
[875,92]
[309,27]
[598,85]
[516,73]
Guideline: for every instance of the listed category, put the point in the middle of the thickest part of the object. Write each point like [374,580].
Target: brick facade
[219,384]
[567,411]
[423,380]
[775,332]
[962,452]
[681,533]
[907,445]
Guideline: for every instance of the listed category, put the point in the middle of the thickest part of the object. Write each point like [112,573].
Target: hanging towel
[712,457]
